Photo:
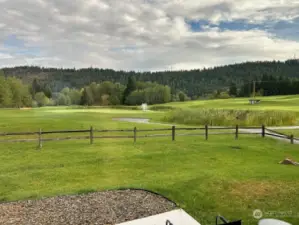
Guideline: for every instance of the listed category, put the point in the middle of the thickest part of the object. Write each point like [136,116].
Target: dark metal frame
[226,222]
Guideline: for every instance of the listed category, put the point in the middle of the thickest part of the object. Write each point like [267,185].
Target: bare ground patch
[101,208]
[250,190]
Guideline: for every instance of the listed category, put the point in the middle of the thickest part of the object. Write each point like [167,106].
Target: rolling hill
[193,82]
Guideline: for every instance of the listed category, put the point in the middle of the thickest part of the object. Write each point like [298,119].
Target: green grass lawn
[294,132]
[206,178]
[52,118]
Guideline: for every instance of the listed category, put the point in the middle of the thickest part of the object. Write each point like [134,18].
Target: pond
[133,120]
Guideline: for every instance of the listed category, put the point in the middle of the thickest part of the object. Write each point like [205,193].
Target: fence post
[135,134]
[237,131]
[91,135]
[40,143]
[263,131]
[173,133]
[292,139]
[206,131]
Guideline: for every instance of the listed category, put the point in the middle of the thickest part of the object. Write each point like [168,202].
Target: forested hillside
[34,86]
[193,83]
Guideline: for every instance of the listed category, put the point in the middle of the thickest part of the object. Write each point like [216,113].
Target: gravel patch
[101,208]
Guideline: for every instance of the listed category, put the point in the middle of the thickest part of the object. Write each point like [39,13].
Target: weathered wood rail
[135,134]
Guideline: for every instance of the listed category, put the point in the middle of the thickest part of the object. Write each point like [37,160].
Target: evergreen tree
[131,86]
[35,87]
[87,98]
[233,90]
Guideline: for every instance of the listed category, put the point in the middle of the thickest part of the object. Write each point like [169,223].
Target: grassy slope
[205,177]
[289,103]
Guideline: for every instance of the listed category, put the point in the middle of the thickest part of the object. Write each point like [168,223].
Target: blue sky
[16,46]
[282,29]
[12,41]
[146,35]
[286,29]
[237,25]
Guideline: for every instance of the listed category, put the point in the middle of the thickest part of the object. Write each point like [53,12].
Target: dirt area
[24,108]
[102,208]
[289,161]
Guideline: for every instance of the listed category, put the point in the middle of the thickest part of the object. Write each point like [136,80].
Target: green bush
[34,104]
[221,117]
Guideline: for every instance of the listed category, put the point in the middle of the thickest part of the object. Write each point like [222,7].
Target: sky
[146,34]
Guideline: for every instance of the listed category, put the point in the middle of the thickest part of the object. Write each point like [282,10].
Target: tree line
[36,86]
[14,93]
[194,83]
[270,85]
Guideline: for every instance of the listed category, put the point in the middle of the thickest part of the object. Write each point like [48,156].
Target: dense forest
[38,86]
[193,83]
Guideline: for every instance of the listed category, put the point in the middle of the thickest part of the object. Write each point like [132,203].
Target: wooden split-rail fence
[41,136]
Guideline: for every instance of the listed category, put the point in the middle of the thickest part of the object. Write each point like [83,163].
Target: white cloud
[228,10]
[141,34]
[5,56]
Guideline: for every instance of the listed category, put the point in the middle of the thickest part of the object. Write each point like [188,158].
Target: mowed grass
[294,132]
[56,118]
[206,178]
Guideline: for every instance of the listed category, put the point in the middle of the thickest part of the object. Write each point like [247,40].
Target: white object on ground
[175,217]
[133,120]
[144,107]
[272,222]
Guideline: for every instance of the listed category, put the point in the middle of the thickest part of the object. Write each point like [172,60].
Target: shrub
[34,104]
[41,99]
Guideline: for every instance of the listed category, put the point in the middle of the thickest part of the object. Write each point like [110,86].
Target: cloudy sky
[146,34]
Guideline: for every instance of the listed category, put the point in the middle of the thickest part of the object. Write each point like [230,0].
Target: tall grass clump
[223,117]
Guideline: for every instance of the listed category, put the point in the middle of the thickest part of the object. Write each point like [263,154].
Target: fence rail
[277,134]
[138,133]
